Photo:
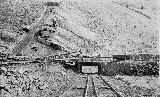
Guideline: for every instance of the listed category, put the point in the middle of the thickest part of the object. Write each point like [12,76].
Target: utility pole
[45,48]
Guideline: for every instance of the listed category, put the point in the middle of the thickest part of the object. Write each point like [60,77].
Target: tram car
[52,4]
[70,63]
[121,57]
[21,58]
[37,60]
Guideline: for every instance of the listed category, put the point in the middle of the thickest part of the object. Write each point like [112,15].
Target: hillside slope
[112,27]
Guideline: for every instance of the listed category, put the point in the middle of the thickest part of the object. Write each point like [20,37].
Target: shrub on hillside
[126,68]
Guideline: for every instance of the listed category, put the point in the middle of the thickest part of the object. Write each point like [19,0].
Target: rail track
[78,88]
[91,86]
[105,89]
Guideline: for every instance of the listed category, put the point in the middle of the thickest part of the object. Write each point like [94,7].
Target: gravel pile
[147,82]
[35,80]
[130,90]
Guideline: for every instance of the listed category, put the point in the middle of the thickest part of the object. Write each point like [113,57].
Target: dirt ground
[149,82]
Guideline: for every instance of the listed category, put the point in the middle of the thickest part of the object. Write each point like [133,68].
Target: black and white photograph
[79,48]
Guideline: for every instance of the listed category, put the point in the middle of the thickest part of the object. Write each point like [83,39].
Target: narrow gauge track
[91,86]
[78,88]
[90,90]
[103,88]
